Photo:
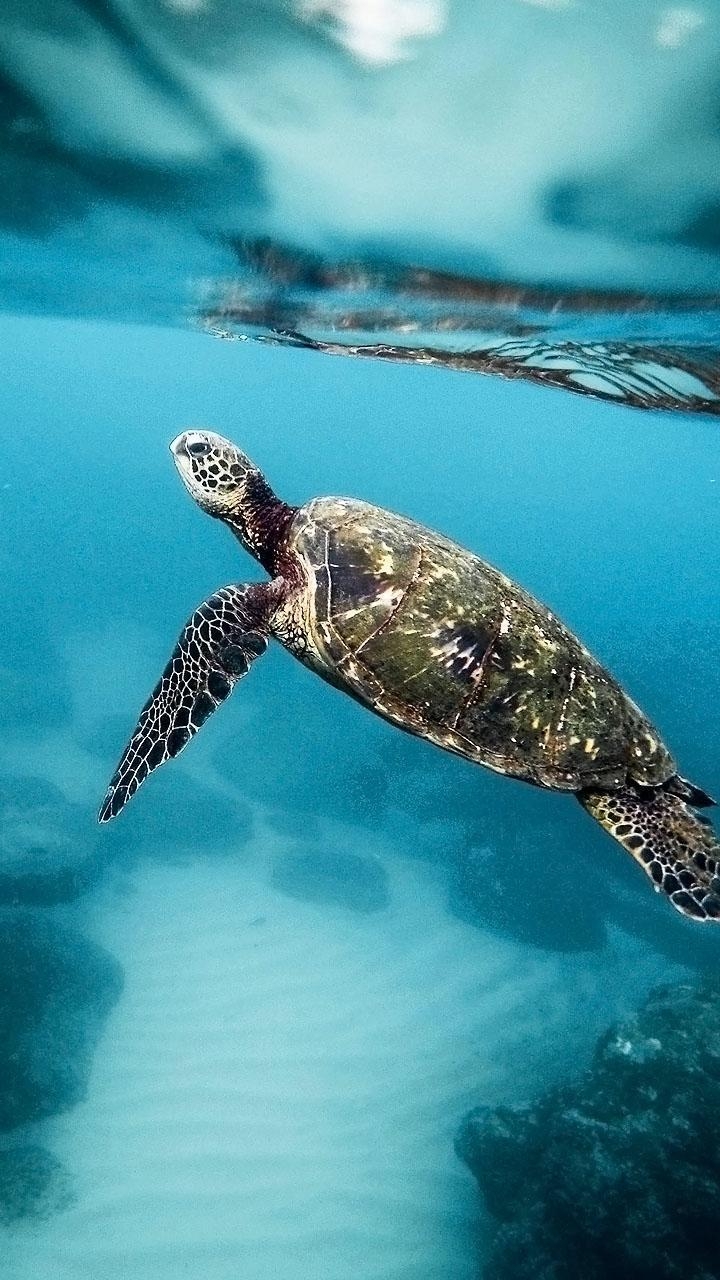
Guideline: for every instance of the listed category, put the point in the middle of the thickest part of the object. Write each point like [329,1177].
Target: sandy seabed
[277,1091]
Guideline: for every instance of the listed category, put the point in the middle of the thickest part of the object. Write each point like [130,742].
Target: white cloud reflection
[677,24]
[377,31]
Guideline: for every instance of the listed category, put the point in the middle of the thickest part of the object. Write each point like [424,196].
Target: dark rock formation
[334,879]
[56,990]
[49,849]
[619,1174]
[33,1184]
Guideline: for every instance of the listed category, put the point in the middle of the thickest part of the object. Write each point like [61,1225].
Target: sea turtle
[433,639]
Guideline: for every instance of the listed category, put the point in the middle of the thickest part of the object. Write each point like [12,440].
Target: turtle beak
[183,461]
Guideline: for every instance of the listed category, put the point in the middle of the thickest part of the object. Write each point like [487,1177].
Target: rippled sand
[278,1089]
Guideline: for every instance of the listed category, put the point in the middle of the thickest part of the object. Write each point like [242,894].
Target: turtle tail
[676,847]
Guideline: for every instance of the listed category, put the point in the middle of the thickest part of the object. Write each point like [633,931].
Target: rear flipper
[675,847]
[687,791]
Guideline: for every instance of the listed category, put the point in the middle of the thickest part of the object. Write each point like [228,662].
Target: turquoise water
[240,1027]
[313,996]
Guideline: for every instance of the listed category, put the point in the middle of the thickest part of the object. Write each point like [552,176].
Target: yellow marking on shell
[590,748]
[350,666]
[439,571]
[443,650]
[568,695]
[389,596]
[414,675]
[542,637]
[386,561]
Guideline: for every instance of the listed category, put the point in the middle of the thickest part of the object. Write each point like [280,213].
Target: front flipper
[216,647]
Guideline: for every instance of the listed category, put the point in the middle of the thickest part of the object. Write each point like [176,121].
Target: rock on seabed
[33,1185]
[618,1174]
[56,990]
[49,850]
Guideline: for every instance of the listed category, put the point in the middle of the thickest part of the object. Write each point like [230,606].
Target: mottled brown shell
[445,646]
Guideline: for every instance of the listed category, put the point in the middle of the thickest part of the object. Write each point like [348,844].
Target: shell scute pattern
[443,644]
[650,760]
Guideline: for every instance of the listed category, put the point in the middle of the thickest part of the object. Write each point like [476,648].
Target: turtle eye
[198,448]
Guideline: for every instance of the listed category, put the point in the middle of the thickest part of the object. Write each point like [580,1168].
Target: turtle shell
[445,646]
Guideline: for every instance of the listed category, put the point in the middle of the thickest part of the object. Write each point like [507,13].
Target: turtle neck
[260,524]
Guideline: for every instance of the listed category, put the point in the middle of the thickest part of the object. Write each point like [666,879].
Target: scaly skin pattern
[674,846]
[215,649]
[445,646]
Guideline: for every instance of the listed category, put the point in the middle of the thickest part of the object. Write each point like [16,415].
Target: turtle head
[214,471]
[227,485]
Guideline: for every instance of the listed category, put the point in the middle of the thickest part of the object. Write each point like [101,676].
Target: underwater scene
[325,999]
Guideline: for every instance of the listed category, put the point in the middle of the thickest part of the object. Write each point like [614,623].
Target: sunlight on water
[302,171]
